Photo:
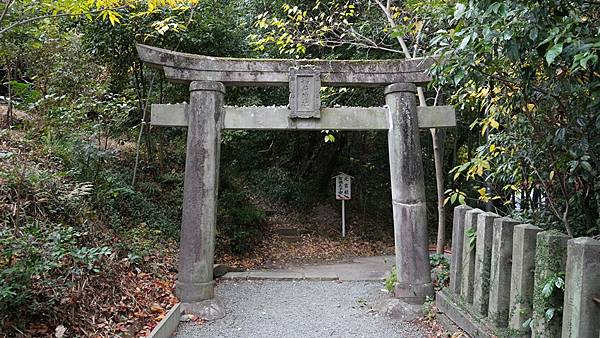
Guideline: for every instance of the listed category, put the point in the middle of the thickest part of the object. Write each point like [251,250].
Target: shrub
[391,280]
[440,270]
[279,186]
[239,223]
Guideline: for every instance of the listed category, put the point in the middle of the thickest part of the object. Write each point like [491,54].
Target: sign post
[343,191]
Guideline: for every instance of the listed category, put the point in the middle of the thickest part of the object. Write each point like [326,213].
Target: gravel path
[300,309]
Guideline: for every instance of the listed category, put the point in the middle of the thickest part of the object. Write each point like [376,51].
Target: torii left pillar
[195,285]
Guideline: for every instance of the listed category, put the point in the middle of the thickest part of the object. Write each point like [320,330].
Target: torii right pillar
[408,195]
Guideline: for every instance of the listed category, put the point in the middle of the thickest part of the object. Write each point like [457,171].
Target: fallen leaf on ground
[156,308]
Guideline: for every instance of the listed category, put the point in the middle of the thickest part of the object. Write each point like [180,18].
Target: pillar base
[413,293]
[210,309]
[397,309]
[194,292]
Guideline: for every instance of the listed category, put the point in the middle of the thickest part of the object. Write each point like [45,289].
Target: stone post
[483,261]
[408,195]
[468,256]
[458,231]
[522,273]
[500,275]
[581,315]
[195,277]
[550,259]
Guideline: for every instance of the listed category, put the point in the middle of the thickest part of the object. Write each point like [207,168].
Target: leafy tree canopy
[527,73]
[15,13]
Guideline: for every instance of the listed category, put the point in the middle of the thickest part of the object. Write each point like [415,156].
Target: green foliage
[455,196]
[45,244]
[40,193]
[206,28]
[267,162]
[553,289]
[278,186]
[391,280]
[23,92]
[527,75]
[552,296]
[295,28]
[471,234]
[141,240]
[70,186]
[438,259]
[240,224]
[17,13]
[440,268]
[428,308]
[524,77]
[69,215]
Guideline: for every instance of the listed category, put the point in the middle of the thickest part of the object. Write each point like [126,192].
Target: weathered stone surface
[275,275]
[320,276]
[275,118]
[168,325]
[501,267]
[236,275]
[375,268]
[449,326]
[468,257]
[408,195]
[189,67]
[522,276]
[581,315]
[550,259]
[483,261]
[459,314]
[169,115]
[219,270]
[458,231]
[305,88]
[196,256]
[209,309]
[397,309]
[436,117]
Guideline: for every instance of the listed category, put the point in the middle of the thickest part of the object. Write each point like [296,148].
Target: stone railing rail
[499,269]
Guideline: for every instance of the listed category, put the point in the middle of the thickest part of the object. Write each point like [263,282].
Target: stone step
[292,275]
[221,269]
[306,275]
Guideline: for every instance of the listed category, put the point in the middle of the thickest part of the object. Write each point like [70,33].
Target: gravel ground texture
[300,309]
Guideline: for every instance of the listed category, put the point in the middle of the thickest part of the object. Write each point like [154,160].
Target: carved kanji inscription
[305,85]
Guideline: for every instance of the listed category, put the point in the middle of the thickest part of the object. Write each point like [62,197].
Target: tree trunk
[9,108]
[438,136]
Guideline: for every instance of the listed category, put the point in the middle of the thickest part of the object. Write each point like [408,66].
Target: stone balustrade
[502,271]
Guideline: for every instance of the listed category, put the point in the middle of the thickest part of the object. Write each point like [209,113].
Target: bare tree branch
[390,19]
[370,43]
[373,46]
[5,11]
[388,14]
[550,200]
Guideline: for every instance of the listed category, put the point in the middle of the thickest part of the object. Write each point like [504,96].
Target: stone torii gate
[205,116]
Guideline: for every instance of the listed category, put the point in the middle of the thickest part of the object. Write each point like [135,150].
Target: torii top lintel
[183,67]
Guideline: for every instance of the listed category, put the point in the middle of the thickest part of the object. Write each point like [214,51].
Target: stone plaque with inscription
[305,86]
